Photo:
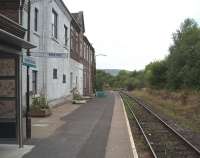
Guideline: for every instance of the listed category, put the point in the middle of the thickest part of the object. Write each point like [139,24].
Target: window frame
[71,80]
[76,81]
[34,81]
[36,12]
[54,24]
[55,73]
[64,78]
[66,35]
[85,79]
[77,42]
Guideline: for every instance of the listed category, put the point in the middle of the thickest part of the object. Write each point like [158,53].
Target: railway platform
[97,129]
[120,142]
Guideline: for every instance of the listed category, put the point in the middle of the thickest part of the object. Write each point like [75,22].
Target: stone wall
[7,88]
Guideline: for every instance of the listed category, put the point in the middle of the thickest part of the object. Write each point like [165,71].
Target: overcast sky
[132,33]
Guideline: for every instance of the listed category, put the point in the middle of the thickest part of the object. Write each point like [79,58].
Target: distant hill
[113,72]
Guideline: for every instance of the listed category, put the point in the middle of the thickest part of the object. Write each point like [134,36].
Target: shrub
[39,103]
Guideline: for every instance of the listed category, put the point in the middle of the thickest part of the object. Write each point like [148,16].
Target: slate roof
[79,18]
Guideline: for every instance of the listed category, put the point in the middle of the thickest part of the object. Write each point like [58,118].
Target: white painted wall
[53,89]
[77,69]
[37,39]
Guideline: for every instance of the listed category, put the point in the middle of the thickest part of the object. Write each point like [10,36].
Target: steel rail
[138,123]
[164,123]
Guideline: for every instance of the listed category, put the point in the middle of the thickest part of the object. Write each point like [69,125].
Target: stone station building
[11,44]
[64,58]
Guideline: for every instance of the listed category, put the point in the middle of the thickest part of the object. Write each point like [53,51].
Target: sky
[132,33]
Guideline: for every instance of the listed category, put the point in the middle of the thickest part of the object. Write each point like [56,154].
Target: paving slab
[119,144]
[13,151]
[45,127]
[96,129]
[83,134]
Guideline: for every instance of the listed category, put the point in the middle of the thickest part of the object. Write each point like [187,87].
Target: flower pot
[41,113]
[79,101]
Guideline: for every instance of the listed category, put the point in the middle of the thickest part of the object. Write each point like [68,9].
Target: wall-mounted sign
[57,55]
[50,54]
[29,61]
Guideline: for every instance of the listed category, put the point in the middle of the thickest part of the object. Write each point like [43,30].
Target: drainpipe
[20,12]
[28,113]
[20,127]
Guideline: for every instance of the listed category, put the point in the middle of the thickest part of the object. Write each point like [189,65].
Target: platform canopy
[11,39]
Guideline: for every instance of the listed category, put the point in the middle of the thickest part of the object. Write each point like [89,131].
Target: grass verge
[183,107]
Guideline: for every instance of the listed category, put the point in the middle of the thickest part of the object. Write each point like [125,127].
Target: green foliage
[39,103]
[125,79]
[77,97]
[184,59]
[76,94]
[179,70]
[102,79]
[156,74]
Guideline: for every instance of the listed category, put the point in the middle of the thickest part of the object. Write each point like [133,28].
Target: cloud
[133,32]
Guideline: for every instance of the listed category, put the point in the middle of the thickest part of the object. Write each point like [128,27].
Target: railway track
[163,140]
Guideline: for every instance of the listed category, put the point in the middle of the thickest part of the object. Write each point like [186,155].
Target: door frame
[17,98]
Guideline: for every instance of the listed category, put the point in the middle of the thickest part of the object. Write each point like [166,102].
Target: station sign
[57,55]
[29,61]
[50,54]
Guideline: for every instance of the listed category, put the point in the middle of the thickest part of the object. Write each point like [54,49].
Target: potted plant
[77,98]
[40,107]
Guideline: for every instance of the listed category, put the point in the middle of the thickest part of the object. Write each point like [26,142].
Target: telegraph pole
[28,113]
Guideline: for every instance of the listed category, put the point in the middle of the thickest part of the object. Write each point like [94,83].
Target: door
[8,98]
[34,82]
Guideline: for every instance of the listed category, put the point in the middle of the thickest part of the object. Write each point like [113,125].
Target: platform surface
[96,129]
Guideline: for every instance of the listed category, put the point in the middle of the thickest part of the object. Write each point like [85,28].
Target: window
[34,82]
[71,80]
[81,49]
[66,35]
[71,38]
[76,82]
[36,20]
[91,57]
[64,78]
[76,42]
[55,73]
[87,53]
[54,24]
[89,60]
[84,54]
[85,79]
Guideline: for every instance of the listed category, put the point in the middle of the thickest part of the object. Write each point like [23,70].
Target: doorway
[8,97]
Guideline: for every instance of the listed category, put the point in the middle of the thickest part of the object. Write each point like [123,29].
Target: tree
[183,60]
[156,74]
[102,79]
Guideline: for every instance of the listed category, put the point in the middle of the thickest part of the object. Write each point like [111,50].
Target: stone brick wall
[7,88]
[7,109]
[75,42]
[7,67]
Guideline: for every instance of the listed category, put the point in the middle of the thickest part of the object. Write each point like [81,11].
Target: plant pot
[79,101]
[41,113]
[87,97]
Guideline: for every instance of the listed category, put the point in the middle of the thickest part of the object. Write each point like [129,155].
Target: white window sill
[66,47]
[36,33]
[55,39]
